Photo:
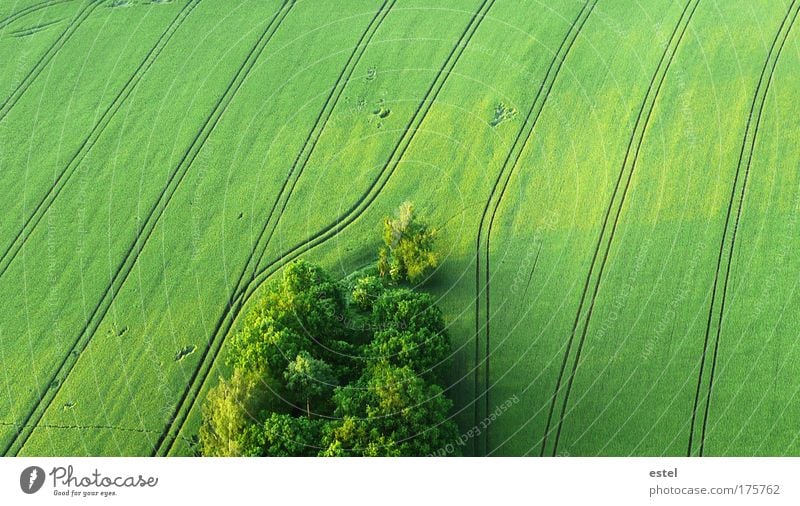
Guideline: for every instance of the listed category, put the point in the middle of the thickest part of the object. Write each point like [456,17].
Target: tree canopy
[390,411]
[308,381]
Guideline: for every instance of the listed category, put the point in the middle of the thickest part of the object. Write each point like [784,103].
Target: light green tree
[408,253]
[229,409]
[366,291]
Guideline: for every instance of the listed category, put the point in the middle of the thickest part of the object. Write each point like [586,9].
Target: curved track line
[30,223]
[313,137]
[379,182]
[496,197]
[726,247]
[184,405]
[372,191]
[62,39]
[29,10]
[145,231]
[615,205]
[33,30]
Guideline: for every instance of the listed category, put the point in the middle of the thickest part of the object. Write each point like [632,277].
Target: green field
[615,184]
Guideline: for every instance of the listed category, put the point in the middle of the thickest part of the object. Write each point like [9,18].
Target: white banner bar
[618,481]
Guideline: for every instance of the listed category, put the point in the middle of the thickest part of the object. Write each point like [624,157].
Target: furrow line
[145,231]
[9,103]
[606,236]
[176,423]
[702,401]
[29,10]
[496,195]
[63,177]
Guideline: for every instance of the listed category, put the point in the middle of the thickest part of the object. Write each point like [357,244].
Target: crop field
[615,186]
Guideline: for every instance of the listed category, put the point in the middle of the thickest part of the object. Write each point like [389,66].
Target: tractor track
[298,166]
[605,239]
[313,137]
[501,183]
[728,242]
[9,103]
[351,215]
[145,230]
[29,10]
[92,427]
[379,182]
[61,180]
[32,30]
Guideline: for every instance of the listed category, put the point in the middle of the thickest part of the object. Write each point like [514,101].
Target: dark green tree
[366,292]
[390,411]
[296,346]
[309,379]
[281,435]
[309,302]
[263,344]
[406,309]
[425,352]
[306,311]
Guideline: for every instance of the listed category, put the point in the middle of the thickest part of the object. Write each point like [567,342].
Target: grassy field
[614,186]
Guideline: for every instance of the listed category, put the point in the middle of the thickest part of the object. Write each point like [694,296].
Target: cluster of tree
[327,368]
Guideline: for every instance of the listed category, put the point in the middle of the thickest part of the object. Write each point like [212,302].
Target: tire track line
[380,181]
[367,198]
[83,427]
[697,431]
[92,427]
[496,195]
[175,425]
[25,32]
[530,275]
[29,10]
[606,237]
[62,39]
[313,137]
[145,231]
[31,222]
